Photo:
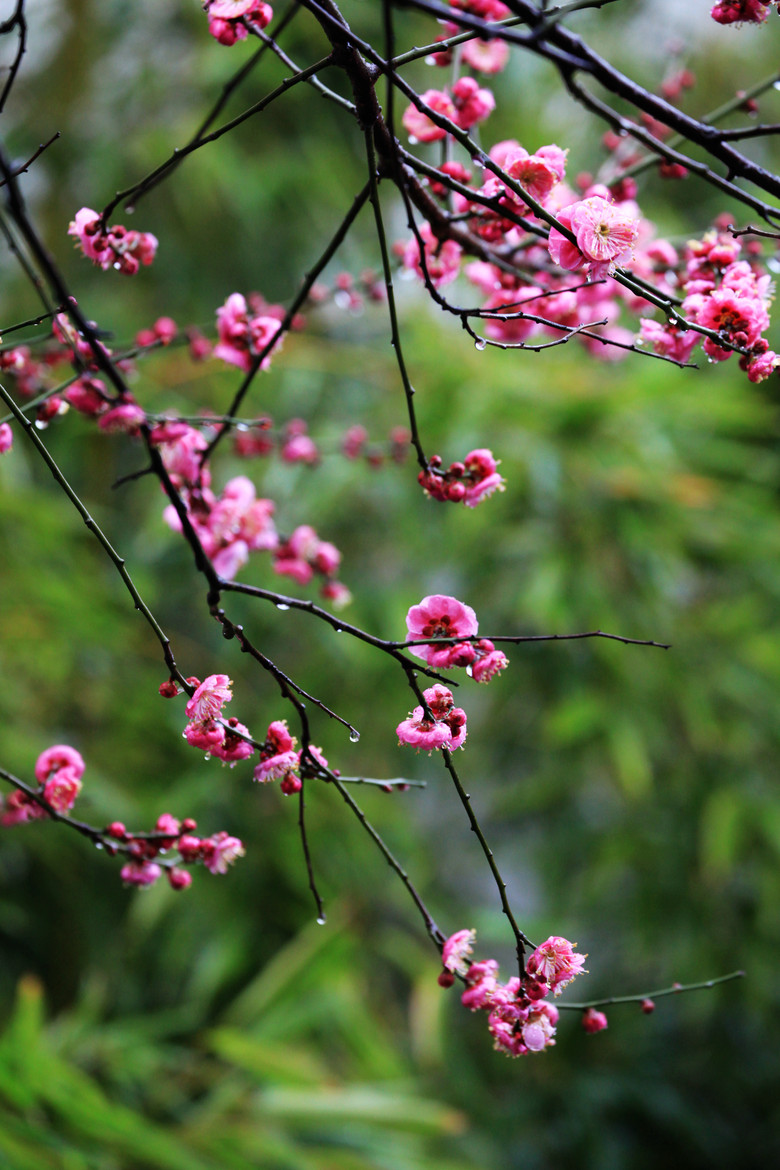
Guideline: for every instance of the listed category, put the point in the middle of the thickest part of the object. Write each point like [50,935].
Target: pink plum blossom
[486,56]
[234,746]
[442,258]
[226,18]
[290,784]
[439,616]
[278,756]
[472,103]
[54,758]
[62,788]
[126,418]
[604,234]
[140,873]
[554,964]
[242,338]
[18,808]
[536,174]
[487,661]
[419,126]
[740,11]
[6,438]
[593,1021]
[444,728]
[209,698]
[116,247]
[207,736]
[220,851]
[88,396]
[468,482]
[456,950]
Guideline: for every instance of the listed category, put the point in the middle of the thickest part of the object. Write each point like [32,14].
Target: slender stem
[307,855]
[434,933]
[97,532]
[675,989]
[197,142]
[395,332]
[521,939]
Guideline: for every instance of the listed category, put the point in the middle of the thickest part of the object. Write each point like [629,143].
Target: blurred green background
[630,794]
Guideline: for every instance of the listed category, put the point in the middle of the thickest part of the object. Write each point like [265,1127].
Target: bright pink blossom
[62,788]
[593,1021]
[140,873]
[740,11]
[207,736]
[442,258]
[278,756]
[439,616]
[209,698]
[487,661]
[116,247]
[472,103]
[290,784]
[554,964]
[54,758]
[6,438]
[760,367]
[123,419]
[242,338]
[220,851]
[486,56]
[18,808]
[538,1029]
[444,728]
[536,174]
[419,126]
[234,746]
[455,952]
[88,396]
[227,17]
[605,235]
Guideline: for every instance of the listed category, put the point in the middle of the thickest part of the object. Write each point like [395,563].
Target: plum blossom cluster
[227,739]
[294,444]
[170,845]
[440,616]
[115,247]
[604,235]
[58,771]
[231,20]
[598,232]
[481,56]
[440,724]
[216,853]
[229,526]
[519,1019]
[741,11]
[236,523]
[281,760]
[243,337]
[467,104]
[303,555]
[469,482]
[722,292]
